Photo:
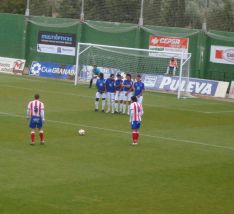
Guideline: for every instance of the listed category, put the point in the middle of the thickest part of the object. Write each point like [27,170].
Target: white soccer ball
[81,132]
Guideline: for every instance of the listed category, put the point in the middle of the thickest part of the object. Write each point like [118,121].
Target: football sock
[116,107]
[113,106]
[41,134]
[124,108]
[91,82]
[108,105]
[137,136]
[128,108]
[32,136]
[103,104]
[96,104]
[120,107]
[134,137]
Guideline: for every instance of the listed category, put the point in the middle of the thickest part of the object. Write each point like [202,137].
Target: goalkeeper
[95,73]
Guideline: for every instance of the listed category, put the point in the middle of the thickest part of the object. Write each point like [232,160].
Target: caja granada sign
[222,54]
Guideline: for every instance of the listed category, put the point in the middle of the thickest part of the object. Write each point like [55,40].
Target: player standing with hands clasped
[136,111]
[101,92]
[35,113]
[110,93]
[139,88]
[118,96]
[127,92]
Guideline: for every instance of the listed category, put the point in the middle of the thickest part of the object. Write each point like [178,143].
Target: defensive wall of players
[24,40]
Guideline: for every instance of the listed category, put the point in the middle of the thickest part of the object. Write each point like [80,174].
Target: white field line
[92,97]
[218,112]
[124,132]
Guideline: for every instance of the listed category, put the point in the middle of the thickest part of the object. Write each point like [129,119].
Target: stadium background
[205,23]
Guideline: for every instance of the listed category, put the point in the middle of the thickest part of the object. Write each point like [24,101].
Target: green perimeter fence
[19,34]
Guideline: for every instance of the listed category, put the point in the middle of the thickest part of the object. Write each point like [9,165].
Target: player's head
[94,65]
[138,77]
[128,76]
[119,76]
[172,58]
[101,75]
[36,96]
[134,99]
[112,76]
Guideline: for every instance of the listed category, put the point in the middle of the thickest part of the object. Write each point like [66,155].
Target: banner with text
[56,43]
[11,65]
[168,44]
[194,86]
[222,54]
[231,91]
[52,70]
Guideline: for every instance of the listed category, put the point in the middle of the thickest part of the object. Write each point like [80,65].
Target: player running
[101,92]
[127,89]
[139,88]
[110,93]
[118,97]
[136,111]
[35,113]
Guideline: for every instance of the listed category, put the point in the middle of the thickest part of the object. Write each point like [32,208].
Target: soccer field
[184,162]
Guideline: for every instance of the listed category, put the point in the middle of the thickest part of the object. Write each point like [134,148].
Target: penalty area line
[125,132]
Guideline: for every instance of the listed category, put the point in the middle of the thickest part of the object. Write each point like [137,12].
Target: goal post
[135,61]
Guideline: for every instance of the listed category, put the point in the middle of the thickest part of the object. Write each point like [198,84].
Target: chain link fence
[195,14]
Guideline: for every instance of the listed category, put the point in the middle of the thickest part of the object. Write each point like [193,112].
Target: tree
[12,6]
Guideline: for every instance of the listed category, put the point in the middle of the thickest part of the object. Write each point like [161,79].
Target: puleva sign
[193,86]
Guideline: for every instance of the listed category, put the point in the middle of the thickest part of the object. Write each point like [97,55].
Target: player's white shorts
[127,97]
[140,99]
[100,95]
[110,96]
[118,95]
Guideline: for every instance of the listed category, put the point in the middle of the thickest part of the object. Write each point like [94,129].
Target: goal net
[153,66]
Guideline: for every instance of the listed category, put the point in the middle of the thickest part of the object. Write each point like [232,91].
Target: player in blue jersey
[110,93]
[101,92]
[139,88]
[127,92]
[118,97]
[95,73]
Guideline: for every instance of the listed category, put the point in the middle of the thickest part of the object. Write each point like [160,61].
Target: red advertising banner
[168,44]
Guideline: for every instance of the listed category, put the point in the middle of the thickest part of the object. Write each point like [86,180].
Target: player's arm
[28,111]
[130,88]
[131,113]
[142,91]
[43,114]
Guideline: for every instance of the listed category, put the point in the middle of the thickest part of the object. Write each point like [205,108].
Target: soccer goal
[152,64]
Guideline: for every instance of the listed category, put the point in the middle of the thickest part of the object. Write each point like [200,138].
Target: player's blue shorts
[135,124]
[35,122]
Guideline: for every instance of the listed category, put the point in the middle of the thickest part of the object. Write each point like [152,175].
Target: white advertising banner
[231,91]
[195,86]
[222,54]
[56,49]
[11,65]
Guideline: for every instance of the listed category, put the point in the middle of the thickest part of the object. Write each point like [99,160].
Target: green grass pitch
[184,162]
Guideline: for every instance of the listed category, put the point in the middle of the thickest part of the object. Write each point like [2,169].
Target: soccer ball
[81,132]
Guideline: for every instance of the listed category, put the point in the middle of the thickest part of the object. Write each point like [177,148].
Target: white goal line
[124,132]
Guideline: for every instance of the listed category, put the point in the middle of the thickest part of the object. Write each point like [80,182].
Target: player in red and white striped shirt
[136,112]
[35,113]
